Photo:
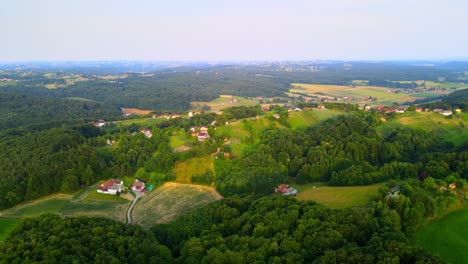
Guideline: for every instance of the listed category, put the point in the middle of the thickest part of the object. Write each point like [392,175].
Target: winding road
[138,195]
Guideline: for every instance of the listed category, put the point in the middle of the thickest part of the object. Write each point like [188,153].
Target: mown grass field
[302,119]
[195,166]
[222,102]
[447,237]
[170,201]
[72,205]
[451,129]
[6,226]
[338,197]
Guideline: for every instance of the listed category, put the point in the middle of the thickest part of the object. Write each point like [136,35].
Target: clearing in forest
[195,166]
[171,200]
[338,197]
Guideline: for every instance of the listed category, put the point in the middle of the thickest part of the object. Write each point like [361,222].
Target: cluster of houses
[114,186]
[200,132]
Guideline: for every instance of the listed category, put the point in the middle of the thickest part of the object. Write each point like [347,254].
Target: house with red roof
[138,186]
[111,186]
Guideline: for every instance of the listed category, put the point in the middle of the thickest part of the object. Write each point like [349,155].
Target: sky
[237,30]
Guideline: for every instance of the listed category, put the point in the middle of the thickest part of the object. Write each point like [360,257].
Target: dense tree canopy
[25,110]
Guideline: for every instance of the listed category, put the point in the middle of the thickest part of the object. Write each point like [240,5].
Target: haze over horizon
[54,30]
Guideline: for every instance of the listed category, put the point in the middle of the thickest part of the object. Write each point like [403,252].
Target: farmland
[338,197]
[380,95]
[195,166]
[83,203]
[171,200]
[446,237]
[135,111]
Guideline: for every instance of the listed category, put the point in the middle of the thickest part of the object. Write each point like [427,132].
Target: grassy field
[184,170]
[222,102]
[83,203]
[303,119]
[447,237]
[147,122]
[358,92]
[6,226]
[451,129]
[171,200]
[338,197]
[178,140]
[381,94]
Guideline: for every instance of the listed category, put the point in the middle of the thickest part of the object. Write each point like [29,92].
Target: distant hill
[458,99]
[22,110]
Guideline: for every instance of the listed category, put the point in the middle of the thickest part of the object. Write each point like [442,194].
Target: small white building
[446,112]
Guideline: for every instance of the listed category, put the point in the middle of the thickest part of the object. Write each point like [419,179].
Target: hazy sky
[233,30]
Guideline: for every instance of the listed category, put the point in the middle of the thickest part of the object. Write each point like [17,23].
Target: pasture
[195,166]
[6,226]
[338,197]
[171,200]
[447,237]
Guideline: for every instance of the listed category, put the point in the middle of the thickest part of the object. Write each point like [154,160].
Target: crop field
[6,226]
[447,237]
[223,102]
[186,169]
[338,197]
[72,205]
[171,200]
[452,129]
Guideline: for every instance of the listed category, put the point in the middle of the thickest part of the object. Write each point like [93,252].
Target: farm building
[285,189]
[111,186]
[400,110]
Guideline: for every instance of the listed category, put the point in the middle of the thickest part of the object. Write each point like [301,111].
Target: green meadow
[447,237]
[338,197]
[6,226]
